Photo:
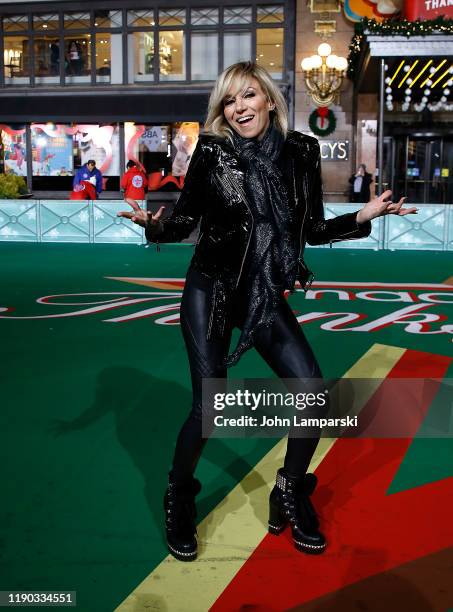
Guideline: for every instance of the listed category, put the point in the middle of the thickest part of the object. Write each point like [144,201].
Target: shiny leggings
[283,346]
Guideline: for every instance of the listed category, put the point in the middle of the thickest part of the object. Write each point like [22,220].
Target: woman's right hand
[139,216]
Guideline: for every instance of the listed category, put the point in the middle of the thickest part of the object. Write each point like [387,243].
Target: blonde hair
[237,76]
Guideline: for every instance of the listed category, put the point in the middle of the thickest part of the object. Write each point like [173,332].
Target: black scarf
[272,255]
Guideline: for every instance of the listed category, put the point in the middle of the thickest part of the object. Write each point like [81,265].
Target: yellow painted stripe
[407,73]
[396,72]
[442,76]
[149,282]
[430,76]
[421,72]
[231,532]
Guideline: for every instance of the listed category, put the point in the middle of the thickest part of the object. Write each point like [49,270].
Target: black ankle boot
[290,503]
[180,515]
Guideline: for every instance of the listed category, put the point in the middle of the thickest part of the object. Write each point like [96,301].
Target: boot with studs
[180,515]
[290,503]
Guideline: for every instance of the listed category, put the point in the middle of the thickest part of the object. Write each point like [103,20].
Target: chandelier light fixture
[323,75]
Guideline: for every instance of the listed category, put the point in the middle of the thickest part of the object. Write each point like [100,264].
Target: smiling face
[247,110]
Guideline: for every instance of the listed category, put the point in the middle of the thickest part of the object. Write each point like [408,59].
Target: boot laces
[181,513]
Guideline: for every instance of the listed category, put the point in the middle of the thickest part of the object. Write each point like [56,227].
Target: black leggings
[283,346]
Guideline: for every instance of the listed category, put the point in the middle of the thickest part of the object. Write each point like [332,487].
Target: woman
[74,58]
[257,189]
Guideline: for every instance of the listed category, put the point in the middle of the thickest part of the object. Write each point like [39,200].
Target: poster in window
[52,150]
[14,149]
[185,138]
[155,138]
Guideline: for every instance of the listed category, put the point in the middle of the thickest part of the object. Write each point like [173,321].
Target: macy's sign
[418,307]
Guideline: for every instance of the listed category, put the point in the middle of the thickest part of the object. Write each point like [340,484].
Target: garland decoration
[392,27]
[324,114]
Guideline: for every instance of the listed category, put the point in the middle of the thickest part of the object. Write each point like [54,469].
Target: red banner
[428,9]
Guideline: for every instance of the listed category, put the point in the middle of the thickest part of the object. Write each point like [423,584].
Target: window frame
[60,8]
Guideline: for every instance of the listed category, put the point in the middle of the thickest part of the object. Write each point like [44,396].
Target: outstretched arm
[321,230]
[186,213]
[189,206]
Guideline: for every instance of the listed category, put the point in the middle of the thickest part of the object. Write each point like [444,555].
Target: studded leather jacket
[214,192]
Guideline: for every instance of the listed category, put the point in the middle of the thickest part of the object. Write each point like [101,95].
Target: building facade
[130,79]
[124,79]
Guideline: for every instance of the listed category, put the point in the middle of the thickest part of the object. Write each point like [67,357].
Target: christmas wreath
[328,121]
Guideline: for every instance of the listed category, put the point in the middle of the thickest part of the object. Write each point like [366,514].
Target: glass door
[446,171]
[417,170]
[420,168]
[435,187]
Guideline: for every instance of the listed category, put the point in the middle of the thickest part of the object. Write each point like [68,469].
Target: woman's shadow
[148,414]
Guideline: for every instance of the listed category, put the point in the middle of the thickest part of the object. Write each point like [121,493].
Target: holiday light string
[391,27]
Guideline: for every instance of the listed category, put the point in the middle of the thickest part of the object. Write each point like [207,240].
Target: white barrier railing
[67,221]
[96,222]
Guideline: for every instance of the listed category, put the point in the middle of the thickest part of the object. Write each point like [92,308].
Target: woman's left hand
[382,205]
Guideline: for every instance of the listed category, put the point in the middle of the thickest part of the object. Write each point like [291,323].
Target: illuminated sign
[334,150]
[428,9]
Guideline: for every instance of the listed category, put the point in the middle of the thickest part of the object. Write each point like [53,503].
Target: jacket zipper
[301,237]
[211,314]
[235,185]
[200,236]
[305,211]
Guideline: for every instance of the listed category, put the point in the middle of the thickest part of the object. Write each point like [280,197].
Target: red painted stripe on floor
[367,530]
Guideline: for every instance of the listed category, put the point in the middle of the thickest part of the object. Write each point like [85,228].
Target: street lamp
[323,74]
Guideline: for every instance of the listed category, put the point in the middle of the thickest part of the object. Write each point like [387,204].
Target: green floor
[90,409]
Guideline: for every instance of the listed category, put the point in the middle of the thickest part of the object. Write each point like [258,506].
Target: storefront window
[86,46]
[16,58]
[184,140]
[15,23]
[98,142]
[13,149]
[109,58]
[77,21]
[270,14]
[163,151]
[172,17]
[59,150]
[44,23]
[77,59]
[52,149]
[46,54]
[269,50]
[141,57]
[140,19]
[148,145]
[237,47]
[237,14]
[172,64]
[108,19]
[207,16]
[204,56]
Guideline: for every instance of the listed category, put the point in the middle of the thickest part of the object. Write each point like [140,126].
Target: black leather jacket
[214,191]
